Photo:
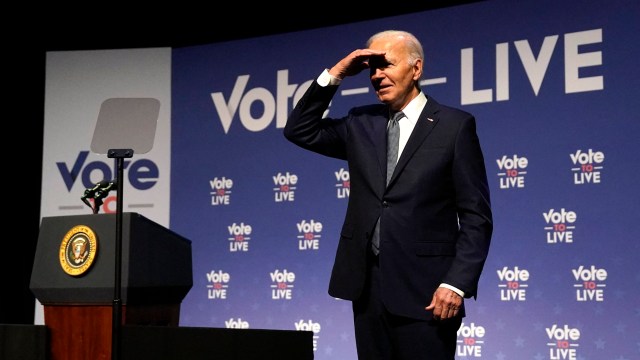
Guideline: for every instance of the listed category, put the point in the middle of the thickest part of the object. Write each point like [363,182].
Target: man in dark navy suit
[414,240]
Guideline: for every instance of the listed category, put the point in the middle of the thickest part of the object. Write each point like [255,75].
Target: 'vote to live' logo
[589,283]
[343,183]
[236,324]
[470,340]
[513,284]
[563,342]
[282,284]
[587,166]
[559,225]
[512,171]
[217,284]
[239,236]
[310,325]
[285,186]
[220,191]
[309,233]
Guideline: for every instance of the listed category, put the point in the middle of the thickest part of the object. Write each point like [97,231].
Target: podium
[73,278]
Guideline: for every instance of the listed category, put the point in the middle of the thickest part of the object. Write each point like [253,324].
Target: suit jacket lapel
[426,122]
[378,135]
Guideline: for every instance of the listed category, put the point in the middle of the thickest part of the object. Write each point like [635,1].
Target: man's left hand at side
[445,304]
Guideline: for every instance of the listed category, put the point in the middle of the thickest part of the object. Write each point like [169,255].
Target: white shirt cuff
[326,79]
[454,289]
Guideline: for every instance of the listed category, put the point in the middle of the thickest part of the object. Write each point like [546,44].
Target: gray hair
[412,43]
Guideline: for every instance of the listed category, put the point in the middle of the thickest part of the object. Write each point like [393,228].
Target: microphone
[98,192]
[103,188]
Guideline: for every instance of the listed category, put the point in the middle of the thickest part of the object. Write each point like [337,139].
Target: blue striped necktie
[393,139]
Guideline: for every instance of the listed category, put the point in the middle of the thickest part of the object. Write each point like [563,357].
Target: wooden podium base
[80,332]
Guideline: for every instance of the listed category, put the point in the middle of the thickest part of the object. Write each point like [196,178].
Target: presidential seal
[78,250]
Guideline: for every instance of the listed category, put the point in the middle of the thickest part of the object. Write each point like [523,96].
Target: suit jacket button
[385,204]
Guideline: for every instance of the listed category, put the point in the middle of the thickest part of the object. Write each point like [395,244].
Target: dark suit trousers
[381,335]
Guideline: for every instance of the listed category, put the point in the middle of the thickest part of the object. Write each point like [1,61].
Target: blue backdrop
[554,87]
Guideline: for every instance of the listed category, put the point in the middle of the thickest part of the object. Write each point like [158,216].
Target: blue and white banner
[554,87]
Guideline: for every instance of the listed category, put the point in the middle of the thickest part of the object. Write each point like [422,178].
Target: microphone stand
[116,322]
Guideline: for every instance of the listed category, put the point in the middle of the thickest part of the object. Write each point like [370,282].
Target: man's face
[391,75]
